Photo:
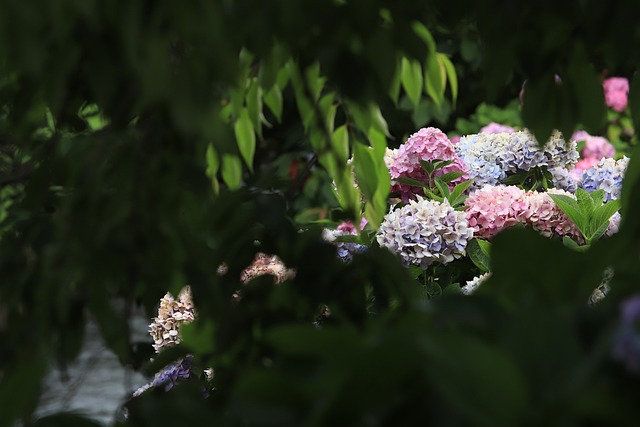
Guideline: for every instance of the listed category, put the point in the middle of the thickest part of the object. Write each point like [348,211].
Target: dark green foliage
[144,144]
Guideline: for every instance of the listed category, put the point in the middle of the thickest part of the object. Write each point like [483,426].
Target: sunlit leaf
[411,78]
[231,171]
[245,137]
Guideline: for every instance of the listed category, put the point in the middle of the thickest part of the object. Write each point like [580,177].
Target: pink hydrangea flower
[616,92]
[491,209]
[595,147]
[494,127]
[428,144]
[544,216]
[581,166]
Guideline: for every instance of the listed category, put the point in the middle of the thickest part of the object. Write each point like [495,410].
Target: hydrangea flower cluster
[473,284]
[493,157]
[595,147]
[616,92]
[494,127]
[581,166]
[614,224]
[425,231]
[563,179]
[544,216]
[172,313]
[606,175]
[492,209]
[345,250]
[428,144]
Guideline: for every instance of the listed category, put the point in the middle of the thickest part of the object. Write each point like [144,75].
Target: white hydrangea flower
[473,284]
[425,231]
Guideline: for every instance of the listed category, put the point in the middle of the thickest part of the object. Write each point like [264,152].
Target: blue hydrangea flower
[345,250]
[563,180]
[494,157]
[169,376]
[606,175]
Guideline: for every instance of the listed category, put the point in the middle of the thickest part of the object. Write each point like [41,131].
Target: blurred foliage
[143,144]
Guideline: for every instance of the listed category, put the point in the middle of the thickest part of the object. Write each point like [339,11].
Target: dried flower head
[172,313]
[266,264]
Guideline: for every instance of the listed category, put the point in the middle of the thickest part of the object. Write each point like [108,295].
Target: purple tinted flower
[626,346]
[169,376]
[606,175]
[172,374]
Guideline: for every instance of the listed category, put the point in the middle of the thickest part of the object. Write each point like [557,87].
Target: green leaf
[450,176]
[439,164]
[271,66]
[598,197]
[451,77]
[585,202]
[314,81]
[424,33]
[629,196]
[231,171]
[435,79]
[305,107]
[599,232]
[460,188]
[584,86]
[428,166]
[378,142]
[479,252]
[414,271]
[515,179]
[394,86]
[634,100]
[213,165]
[366,171]
[273,100]
[377,120]
[340,142]
[410,181]
[198,336]
[570,207]
[245,137]
[284,75]
[602,214]
[411,78]
[433,196]
[442,187]
[452,289]
[572,244]
[254,104]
